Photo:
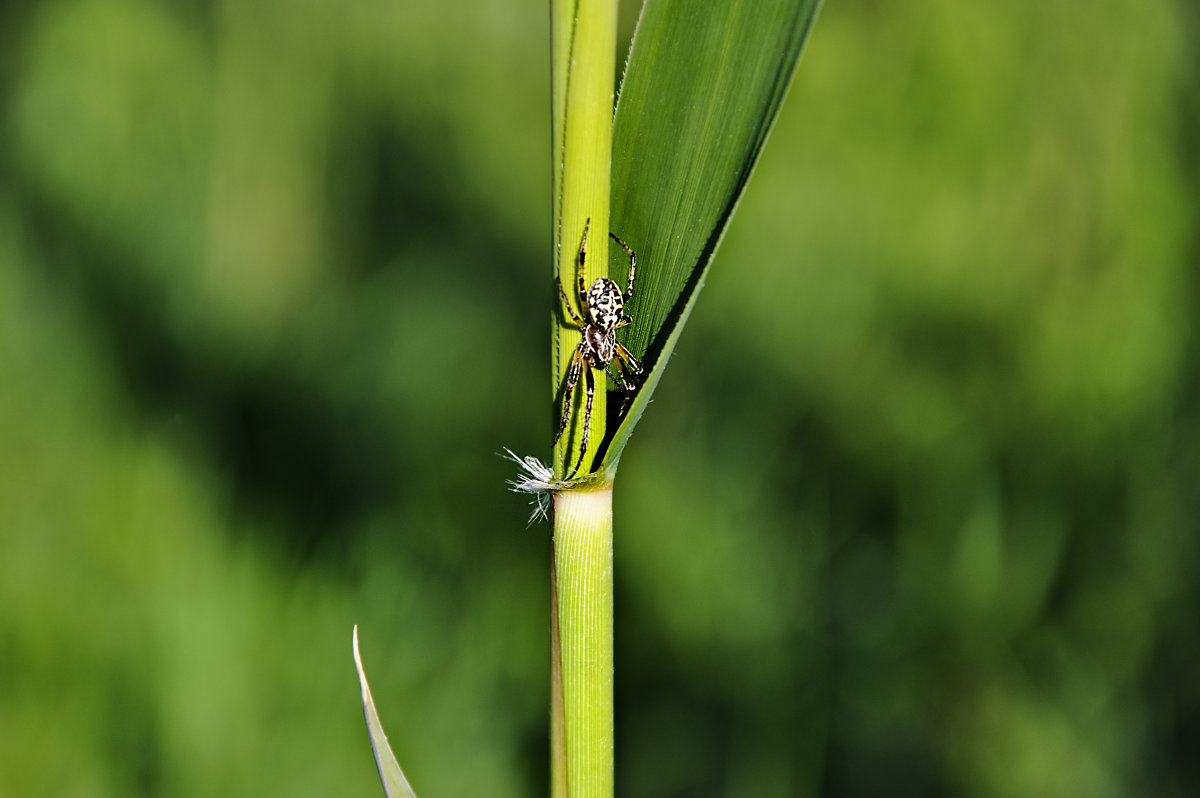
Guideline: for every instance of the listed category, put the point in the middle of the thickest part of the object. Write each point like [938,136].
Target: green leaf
[702,87]
[395,785]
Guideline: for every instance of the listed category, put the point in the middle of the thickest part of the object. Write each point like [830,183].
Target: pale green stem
[582,727]
[583,65]
[583,59]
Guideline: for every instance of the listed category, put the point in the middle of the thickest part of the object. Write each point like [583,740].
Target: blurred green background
[913,513]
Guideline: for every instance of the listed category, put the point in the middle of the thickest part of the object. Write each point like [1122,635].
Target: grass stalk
[582,729]
[583,58]
[583,66]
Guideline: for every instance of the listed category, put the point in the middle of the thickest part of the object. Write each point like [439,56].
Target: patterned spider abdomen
[604,303]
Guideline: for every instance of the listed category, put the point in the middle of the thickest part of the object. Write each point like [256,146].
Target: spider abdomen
[604,304]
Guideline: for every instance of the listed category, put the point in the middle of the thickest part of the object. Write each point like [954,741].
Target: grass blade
[395,785]
[702,87]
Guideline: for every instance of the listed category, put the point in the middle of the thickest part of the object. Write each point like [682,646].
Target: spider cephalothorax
[604,310]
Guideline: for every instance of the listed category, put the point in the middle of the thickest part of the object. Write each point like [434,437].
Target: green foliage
[914,513]
[395,784]
[701,90]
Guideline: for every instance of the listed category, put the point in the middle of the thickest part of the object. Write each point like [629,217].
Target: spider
[603,307]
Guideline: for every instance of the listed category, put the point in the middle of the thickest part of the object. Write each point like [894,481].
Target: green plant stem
[582,722]
[583,66]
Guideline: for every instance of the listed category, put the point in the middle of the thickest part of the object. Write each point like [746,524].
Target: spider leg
[579,264]
[567,305]
[569,393]
[627,359]
[590,382]
[625,383]
[630,368]
[620,375]
[632,265]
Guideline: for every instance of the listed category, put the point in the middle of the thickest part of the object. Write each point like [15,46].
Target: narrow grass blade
[394,783]
[702,87]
